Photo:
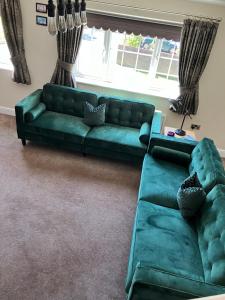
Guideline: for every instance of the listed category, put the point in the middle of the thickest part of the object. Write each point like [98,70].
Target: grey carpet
[65,222]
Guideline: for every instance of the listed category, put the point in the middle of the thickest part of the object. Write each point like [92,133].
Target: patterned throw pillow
[190,196]
[94,116]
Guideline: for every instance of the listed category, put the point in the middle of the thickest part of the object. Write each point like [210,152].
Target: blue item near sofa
[170,257]
[62,122]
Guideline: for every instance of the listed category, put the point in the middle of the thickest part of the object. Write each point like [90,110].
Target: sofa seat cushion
[162,239]
[207,163]
[160,181]
[116,138]
[60,126]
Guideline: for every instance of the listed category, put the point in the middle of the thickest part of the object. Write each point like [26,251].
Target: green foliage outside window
[134,41]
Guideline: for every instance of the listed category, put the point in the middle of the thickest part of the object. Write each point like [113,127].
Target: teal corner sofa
[55,114]
[172,258]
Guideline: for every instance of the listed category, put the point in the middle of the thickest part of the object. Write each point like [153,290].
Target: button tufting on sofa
[62,121]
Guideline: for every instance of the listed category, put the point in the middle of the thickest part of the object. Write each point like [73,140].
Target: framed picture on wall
[41,8]
[43,21]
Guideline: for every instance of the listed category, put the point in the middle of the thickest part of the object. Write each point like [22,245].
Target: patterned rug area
[65,222]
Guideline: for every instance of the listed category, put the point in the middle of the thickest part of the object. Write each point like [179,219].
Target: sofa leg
[84,154]
[24,142]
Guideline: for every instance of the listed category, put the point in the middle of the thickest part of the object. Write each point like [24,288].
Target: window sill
[6,67]
[156,92]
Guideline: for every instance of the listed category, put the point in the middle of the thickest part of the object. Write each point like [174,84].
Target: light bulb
[69,22]
[69,15]
[62,24]
[83,17]
[77,19]
[61,20]
[52,28]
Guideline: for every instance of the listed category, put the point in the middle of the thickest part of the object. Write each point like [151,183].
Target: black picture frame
[42,21]
[41,8]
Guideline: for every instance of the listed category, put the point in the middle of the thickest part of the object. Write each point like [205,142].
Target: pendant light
[69,15]
[52,28]
[61,18]
[66,16]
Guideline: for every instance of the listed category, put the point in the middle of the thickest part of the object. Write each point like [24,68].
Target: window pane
[91,53]
[144,62]
[4,51]
[163,66]
[128,60]
[174,67]
[133,42]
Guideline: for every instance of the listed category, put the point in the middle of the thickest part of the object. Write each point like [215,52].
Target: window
[5,61]
[145,64]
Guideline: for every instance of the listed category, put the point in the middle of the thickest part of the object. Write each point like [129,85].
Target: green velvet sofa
[55,115]
[170,257]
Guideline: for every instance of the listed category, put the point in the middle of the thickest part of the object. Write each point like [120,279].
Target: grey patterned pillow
[94,116]
[190,196]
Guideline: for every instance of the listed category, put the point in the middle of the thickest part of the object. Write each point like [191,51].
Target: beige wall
[41,57]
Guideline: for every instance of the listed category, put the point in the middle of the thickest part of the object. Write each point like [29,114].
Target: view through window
[4,51]
[129,61]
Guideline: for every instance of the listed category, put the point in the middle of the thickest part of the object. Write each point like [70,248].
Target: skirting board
[7,111]
[11,112]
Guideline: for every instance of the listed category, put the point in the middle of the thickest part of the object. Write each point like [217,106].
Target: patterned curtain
[68,45]
[197,39]
[13,28]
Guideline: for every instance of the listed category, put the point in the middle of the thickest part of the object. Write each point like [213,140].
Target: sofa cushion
[162,239]
[94,116]
[116,138]
[190,196]
[171,155]
[60,126]
[35,112]
[160,181]
[127,113]
[145,133]
[207,163]
[67,100]
[211,235]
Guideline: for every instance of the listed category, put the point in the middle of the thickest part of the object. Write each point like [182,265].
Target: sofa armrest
[145,133]
[147,129]
[35,112]
[178,144]
[25,105]
[148,281]
[156,122]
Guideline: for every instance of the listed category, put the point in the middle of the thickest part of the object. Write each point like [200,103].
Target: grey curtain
[13,28]
[68,45]
[197,39]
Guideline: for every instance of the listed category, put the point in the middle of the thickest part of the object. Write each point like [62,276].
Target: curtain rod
[218,20]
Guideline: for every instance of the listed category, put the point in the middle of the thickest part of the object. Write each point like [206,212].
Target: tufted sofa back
[67,100]
[127,113]
[211,236]
[206,161]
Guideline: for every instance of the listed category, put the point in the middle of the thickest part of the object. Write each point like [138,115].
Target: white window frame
[156,55]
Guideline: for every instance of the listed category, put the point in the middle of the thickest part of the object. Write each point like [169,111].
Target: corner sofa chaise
[55,115]
[172,258]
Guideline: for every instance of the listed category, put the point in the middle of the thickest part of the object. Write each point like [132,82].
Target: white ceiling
[215,2]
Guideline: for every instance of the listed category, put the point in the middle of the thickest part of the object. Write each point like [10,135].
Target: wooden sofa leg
[24,142]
